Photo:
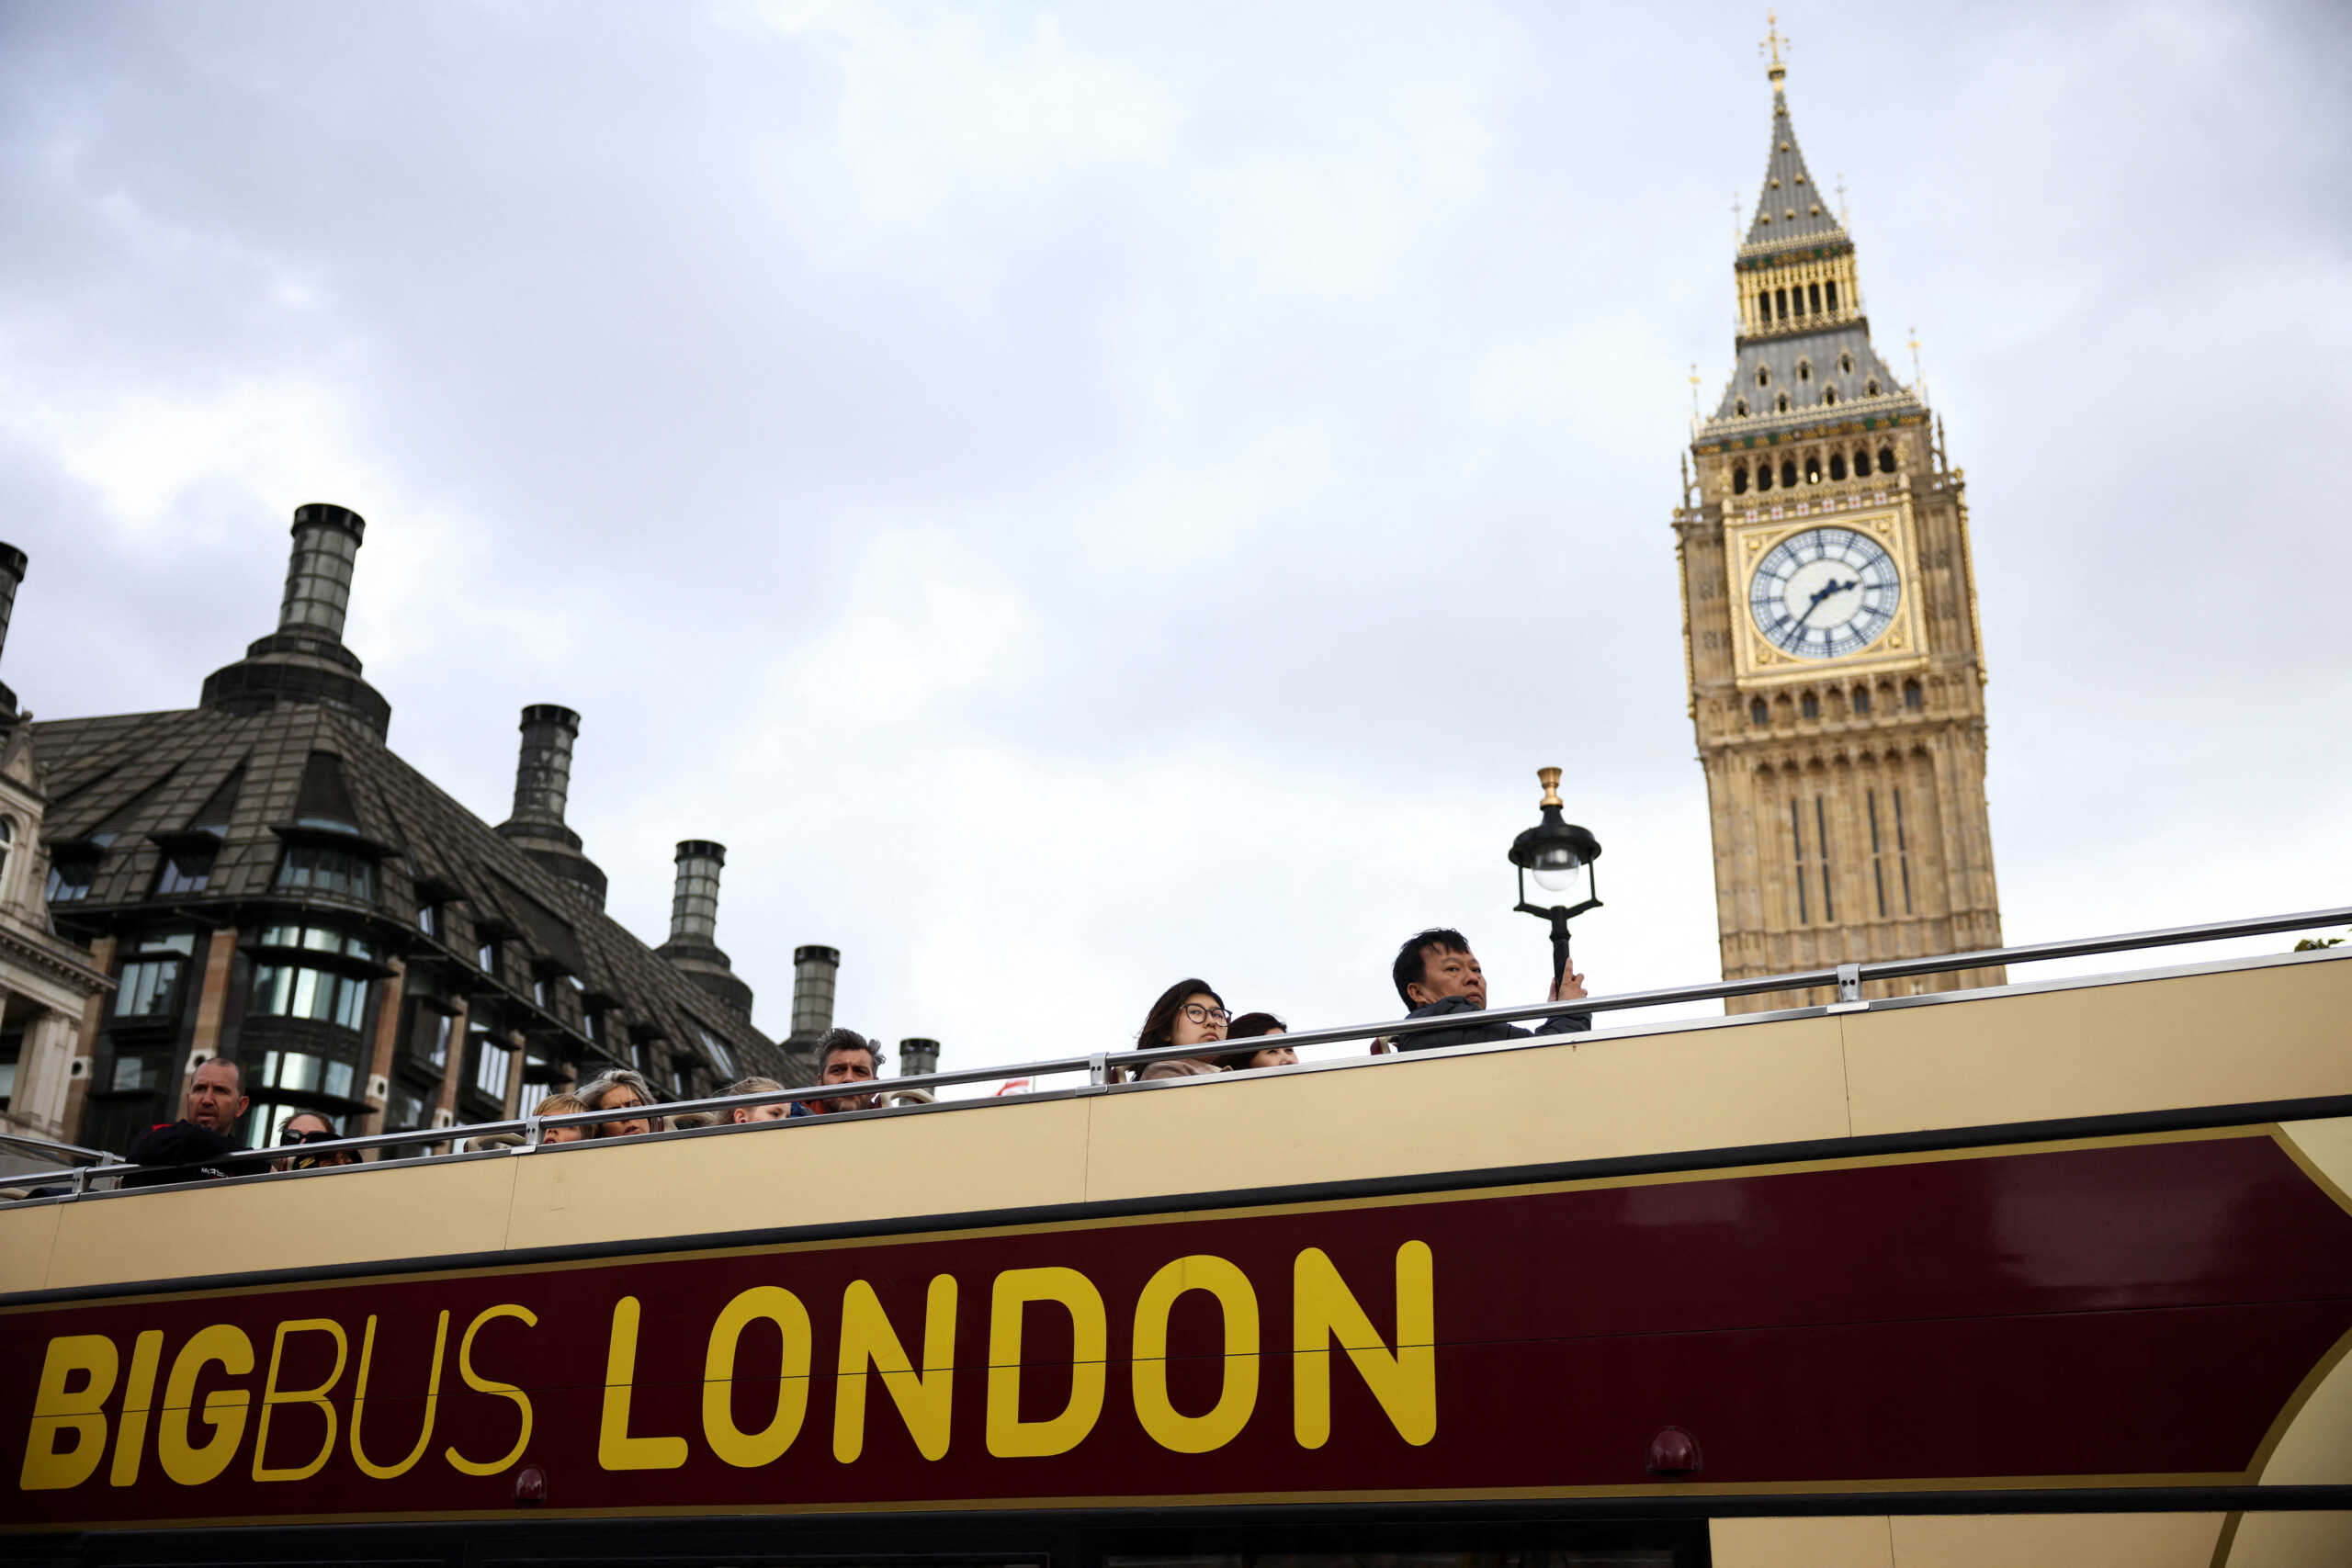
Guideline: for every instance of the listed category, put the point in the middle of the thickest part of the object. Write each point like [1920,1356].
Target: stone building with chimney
[264,878]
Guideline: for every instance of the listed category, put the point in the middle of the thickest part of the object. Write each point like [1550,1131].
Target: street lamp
[1554,860]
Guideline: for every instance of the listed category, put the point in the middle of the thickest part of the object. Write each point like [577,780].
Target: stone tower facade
[1829,629]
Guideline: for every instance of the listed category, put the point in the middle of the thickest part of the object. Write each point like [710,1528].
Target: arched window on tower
[1813,467]
[1804,369]
[1763,375]
[1886,459]
[1758,713]
[1813,295]
[1845,361]
[1837,466]
[1789,472]
[1913,697]
[1739,407]
[1862,463]
[1809,705]
[1861,699]
[1764,476]
[1782,403]
[1780,299]
[1829,394]
[1831,288]
[1763,305]
[1870,387]
[1739,479]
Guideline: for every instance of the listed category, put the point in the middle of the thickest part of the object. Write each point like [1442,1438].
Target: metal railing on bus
[1100,1066]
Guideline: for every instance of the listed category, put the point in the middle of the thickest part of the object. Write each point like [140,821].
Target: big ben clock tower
[1829,626]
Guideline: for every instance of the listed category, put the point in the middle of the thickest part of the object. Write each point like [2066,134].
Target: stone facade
[1844,763]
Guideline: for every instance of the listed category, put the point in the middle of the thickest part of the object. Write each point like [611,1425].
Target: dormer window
[428,919]
[1763,375]
[70,875]
[1740,408]
[487,956]
[1844,364]
[321,868]
[1804,369]
[1829,394]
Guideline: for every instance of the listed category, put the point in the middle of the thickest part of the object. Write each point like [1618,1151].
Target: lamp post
[1555,881]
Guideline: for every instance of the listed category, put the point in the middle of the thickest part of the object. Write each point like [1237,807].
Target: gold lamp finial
[1550,779]
[1774,40]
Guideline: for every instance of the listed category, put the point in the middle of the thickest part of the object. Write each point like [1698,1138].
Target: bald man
[199,1146]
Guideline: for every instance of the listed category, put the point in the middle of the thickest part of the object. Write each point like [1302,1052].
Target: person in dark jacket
[1437,976]
[199,1146]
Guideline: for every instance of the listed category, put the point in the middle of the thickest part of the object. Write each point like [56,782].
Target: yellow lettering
[748,1450]
[1404,1381]
[923,1401]
[1009,1436]
[224,1408]
[359,1404]
[480,1384]
[615,1449]
[1169,1427]
[137,1396]
[272,1396]
[59,1410]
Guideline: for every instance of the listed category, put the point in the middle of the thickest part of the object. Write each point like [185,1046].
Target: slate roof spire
[1790,207]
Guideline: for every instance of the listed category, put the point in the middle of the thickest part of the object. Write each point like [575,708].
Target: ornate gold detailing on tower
[1829,625]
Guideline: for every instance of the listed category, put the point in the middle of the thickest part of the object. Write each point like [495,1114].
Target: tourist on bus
[197,1146]
[1187,1013]
[1437,976]
[843,1057]
[1259,1026]
[562,1105]
[309,1127]
[774,1111]
[622,1090]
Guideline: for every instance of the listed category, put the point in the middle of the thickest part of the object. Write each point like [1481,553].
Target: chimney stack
[12,572]
[692,946]
[918,1058]
[318,580]
[542,783]
[813,970]
[542,778]
[304,661]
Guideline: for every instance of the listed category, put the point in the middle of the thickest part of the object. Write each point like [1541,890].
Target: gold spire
[1550,779]
[1774,40]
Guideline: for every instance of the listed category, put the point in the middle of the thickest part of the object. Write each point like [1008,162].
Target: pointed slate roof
[1790,207]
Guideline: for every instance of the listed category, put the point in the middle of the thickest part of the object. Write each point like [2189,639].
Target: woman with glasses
[309,1127]
[1187,1013]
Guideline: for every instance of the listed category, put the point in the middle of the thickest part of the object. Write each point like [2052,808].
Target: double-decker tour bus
[2055,1272]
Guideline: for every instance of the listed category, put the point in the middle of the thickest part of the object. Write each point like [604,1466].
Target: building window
[1886,459]
[1758,713]
[1739,479]
[1740,408]
[151,981]
[1863,465]
[1913,698]
[592,1024]
[1809,705]
[317,868]
[1788,465]
[1781,403]
[1763,375]
[1837,461]
[68,880]
[492,1062]
[185,870]
[1830,288]
[12,1047]
[1861,699]
[1796,839]
[1878,853]
[1813,467]
[297,990]
[318,939]
[429,1030]
[719,1053]
[7,842]
[1870,388]
[487,956]
[1903,852]
[1821,840]
[1845,361]
[306,1073]
[1804,369]
[428,919]
[541,992]
[1829,394]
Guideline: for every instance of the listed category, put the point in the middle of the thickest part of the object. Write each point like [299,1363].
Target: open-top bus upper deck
[2062,1272]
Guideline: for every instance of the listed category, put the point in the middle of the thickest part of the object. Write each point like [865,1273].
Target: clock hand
[1833,586]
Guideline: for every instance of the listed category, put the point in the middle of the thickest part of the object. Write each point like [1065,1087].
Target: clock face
[1824,593]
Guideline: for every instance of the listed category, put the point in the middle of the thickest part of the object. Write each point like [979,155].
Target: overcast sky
[1076,496]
